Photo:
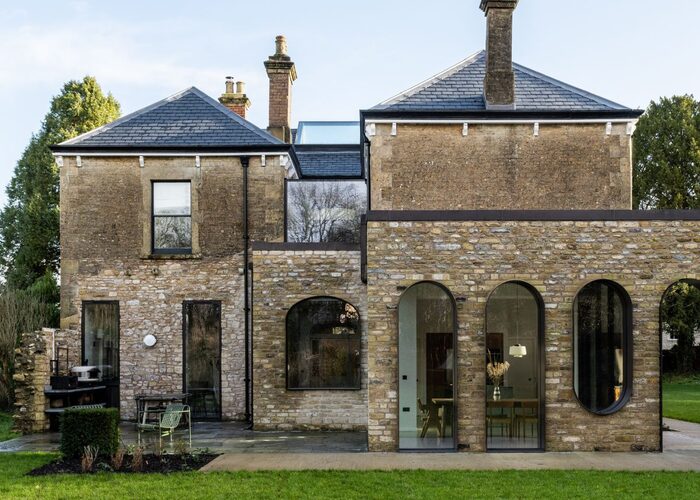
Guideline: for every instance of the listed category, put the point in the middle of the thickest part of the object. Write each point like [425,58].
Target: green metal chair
[168,421]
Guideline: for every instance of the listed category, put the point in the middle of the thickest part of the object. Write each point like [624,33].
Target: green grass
[681,398]
[6,427]
[345,485]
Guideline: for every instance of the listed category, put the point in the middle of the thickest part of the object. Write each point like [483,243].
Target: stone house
[460,270]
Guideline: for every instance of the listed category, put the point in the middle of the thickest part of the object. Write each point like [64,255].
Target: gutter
[161,150]
[283,150]
[503,116]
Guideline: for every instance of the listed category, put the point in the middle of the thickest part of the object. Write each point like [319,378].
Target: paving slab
[220,437]
[681,435]
[638,461]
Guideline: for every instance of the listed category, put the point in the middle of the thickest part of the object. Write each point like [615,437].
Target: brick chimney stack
[499,82]
[234,97]
[282,73]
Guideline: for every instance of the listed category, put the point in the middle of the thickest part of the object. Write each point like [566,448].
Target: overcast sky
[349,55]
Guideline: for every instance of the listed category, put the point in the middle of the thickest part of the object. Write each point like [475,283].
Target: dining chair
[500,413]
[527,417]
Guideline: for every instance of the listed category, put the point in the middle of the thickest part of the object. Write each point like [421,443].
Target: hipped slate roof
[328,161]
[187,119]
[461,88]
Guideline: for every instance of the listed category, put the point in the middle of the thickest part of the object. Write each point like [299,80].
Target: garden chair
[168,421]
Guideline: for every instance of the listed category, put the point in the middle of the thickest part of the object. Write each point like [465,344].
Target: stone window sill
[172,256]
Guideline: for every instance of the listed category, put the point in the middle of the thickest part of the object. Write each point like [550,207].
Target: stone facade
[283,278]
[106,255]
[151,296]
[435,167]
[32,374]
[558,257]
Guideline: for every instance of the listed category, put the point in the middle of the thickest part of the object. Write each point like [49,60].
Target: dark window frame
[185,304]
[541,369]
[82,325]
[455,372]
[627,348]
[357,387]
[169,251]
[82,338]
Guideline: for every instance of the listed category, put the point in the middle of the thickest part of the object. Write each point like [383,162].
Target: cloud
[132,55]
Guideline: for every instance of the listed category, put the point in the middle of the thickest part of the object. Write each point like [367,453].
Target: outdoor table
[153,403]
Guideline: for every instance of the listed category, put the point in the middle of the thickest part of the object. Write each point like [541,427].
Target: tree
[680,317]
[667,155]
[29,223]
[325,211]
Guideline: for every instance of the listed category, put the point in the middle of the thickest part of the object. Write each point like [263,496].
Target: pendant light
[517,350]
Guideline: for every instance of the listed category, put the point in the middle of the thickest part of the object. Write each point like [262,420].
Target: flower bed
[151,463]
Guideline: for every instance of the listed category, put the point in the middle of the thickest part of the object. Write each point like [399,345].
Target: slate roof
[461,88]
[187,119]
[329,162]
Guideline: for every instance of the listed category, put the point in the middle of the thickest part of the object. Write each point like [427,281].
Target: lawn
[6,427]
[345,485]
[681,397]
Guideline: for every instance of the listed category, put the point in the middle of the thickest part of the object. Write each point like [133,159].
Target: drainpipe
[251,357]
[246,278]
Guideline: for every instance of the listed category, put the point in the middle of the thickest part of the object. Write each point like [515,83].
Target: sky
[349,55]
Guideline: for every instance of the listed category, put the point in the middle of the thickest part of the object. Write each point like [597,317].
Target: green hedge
[83,427]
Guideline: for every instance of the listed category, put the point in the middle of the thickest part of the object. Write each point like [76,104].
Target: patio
[224,437]
[343,451]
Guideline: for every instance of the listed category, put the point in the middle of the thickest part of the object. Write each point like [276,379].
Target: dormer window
[172,217]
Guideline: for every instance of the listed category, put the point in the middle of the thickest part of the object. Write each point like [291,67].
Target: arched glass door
[514,368]
[427,328]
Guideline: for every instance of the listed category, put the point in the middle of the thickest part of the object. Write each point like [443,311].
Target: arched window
[514,367]
[602,347]
[680,325]
[323,345]
[427,339]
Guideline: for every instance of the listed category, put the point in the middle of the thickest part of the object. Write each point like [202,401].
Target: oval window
[602,346]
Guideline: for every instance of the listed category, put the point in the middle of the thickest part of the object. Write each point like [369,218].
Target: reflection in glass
[512,365]
[325,211]
[426,368]
[173,232]
[101,344]
[599,345]
[203,358]
[171,198]
[323,345]
[172,221]
[101,341]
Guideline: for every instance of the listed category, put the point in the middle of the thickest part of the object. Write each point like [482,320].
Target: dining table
[446,404]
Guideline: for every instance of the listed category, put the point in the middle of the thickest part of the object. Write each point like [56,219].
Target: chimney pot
[234,97]
[280,45]
[229,85]
[499,82]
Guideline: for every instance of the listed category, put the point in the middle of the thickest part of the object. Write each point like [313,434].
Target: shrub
[96,427]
